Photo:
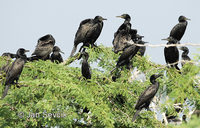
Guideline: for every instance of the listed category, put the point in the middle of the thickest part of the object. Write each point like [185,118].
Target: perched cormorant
[123,34]
[171,53]
[127,54]
[147,96]
[178,30]
[134,36]
[44,47]
[15,70]
[10,55]
[88,32]
[184,55]
[85,68]
[126,25]
[56,56]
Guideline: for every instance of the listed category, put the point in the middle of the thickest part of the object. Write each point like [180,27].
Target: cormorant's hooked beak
[168,39]
[120,17]
[187,18]
[181,48]
[26,51]
[145,42]
[104,19]
[159,75]
[62,52]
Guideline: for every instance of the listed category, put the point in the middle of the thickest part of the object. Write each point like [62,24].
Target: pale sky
[24,21]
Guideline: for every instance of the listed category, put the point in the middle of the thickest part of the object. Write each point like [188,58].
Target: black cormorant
[88,32]
[126,25]
[135,36]
[128,53]
[56,56]
[44,47]
[85,68]
[147,96]
[123,34]
[178,30]
[171,53]
[15,70]
[184,55]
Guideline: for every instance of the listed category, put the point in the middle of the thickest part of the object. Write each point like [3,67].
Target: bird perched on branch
[56,56]
[147,96]
[15,70]
[178,30]
[123,34]
[88,32]
[125,58]
[184,55]
[171,53]
[85,68]
[135,36]
[44,47]
[126,25]
[128,53]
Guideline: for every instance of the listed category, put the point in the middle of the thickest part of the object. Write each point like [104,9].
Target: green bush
[46,87]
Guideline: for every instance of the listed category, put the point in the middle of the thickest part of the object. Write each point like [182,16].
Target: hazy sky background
[24,21]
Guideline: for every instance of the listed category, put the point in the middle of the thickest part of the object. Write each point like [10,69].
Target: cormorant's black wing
[146,96]
[126,55]
[94,32]
[14,71]
[178,31]
[171,54]
[84,26]
[123,27]
[120,41]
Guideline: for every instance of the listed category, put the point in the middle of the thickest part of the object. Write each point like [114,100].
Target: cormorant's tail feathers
[136,114]
[5,91]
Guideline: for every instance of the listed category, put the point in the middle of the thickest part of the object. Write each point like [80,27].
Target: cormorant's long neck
[97,21]
[24,57]
[56,52]
[127,21]
[184,22]
[85,59]
[155,83]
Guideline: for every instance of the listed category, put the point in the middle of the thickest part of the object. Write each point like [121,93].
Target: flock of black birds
[88,32]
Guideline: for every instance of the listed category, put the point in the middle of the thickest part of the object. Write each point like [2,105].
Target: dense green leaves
[48,88]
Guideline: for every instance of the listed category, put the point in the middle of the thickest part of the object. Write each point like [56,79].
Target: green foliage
[46,87]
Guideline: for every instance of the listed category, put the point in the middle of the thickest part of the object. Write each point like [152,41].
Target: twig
[164,45]
[71,59]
